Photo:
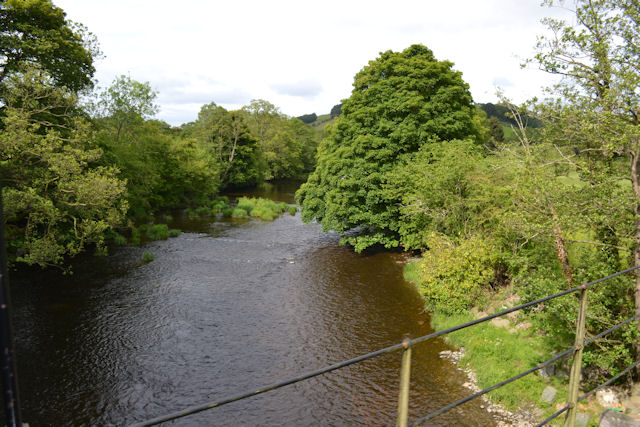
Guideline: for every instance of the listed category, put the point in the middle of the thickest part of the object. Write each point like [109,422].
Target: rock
[582,420]
[547,371]
[445,354]
[523,325]
[610,418]
[635,389]
[500,322]
[548,394]
[607,398]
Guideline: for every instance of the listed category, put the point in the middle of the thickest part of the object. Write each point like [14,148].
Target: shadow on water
[226,308]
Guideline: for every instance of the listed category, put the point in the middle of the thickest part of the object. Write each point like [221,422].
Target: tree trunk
[561,247]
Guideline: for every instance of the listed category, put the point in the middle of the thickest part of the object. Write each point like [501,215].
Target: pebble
[503,417]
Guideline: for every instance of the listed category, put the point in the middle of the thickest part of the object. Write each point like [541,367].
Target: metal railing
[405,370]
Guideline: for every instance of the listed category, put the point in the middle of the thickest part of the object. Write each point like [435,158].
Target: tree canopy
[37,33]
[400,101]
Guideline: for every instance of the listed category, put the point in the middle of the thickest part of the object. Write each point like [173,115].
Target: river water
[227,307]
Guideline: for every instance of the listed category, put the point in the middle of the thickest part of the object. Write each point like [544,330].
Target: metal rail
[407,345]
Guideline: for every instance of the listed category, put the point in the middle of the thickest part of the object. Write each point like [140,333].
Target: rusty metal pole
[576,366]
[405,374]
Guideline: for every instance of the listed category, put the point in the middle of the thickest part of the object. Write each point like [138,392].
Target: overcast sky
[302,56]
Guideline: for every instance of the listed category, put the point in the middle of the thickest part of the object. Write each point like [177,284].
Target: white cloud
[299,57]
[302,88]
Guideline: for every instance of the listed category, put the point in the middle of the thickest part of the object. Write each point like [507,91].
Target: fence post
[405,374]
[576,366]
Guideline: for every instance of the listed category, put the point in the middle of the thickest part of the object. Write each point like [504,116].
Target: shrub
[158,232]
[147,257]
[191,214]
[239,213]
[293,210]
[228,211]
[218,206]
[451,277]
[174,232]
[135,237]
[203,211]
[245,204]
[117,238]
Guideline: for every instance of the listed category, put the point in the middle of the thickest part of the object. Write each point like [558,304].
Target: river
[226,307]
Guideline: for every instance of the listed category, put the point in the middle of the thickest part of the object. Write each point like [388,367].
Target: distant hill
[502,113]
[319,122]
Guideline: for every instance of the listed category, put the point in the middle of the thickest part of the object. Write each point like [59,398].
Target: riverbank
[493,351]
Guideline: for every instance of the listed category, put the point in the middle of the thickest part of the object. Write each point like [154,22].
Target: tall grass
[264,209]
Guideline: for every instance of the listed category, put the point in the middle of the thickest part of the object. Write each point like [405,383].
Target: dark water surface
[224,308]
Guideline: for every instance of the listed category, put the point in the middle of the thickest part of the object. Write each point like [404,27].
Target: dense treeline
[411,163]
[73,173]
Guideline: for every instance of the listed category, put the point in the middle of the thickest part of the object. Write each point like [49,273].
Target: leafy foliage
[56,197]
[35,33]
[400,102]
[453,276]
[227,138]
[308,118]
[287,146]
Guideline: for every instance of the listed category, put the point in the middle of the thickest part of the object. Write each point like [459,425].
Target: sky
[302,56]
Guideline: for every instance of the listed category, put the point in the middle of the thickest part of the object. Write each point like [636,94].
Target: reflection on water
[223,309]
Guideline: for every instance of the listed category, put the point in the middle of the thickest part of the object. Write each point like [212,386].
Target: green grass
[174,232]
[509,134]
[147,257]
[322,121]
[158,232]
[135,237]
[239,213]
[495,354]
[411,271]
[264,209]
[117,238]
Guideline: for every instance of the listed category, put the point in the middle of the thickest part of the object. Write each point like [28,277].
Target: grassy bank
[500,349]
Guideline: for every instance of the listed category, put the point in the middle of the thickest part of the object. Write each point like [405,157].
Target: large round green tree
[399,102]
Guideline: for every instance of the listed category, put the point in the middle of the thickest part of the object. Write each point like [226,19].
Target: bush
[174,232]
[239,213]
[117,238]
[147,257]
[245,204]
[158,232]
[227,212]
[293,210]
[452,277]
[135,237]
[218,206]
[203,211]
[191,214]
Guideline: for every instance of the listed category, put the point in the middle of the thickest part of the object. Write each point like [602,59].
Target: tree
[228,137]
[308,118]
[287,146]
[57,199]
[596,113]
[126,102]
[336,110]
[400,102]
[36,33]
